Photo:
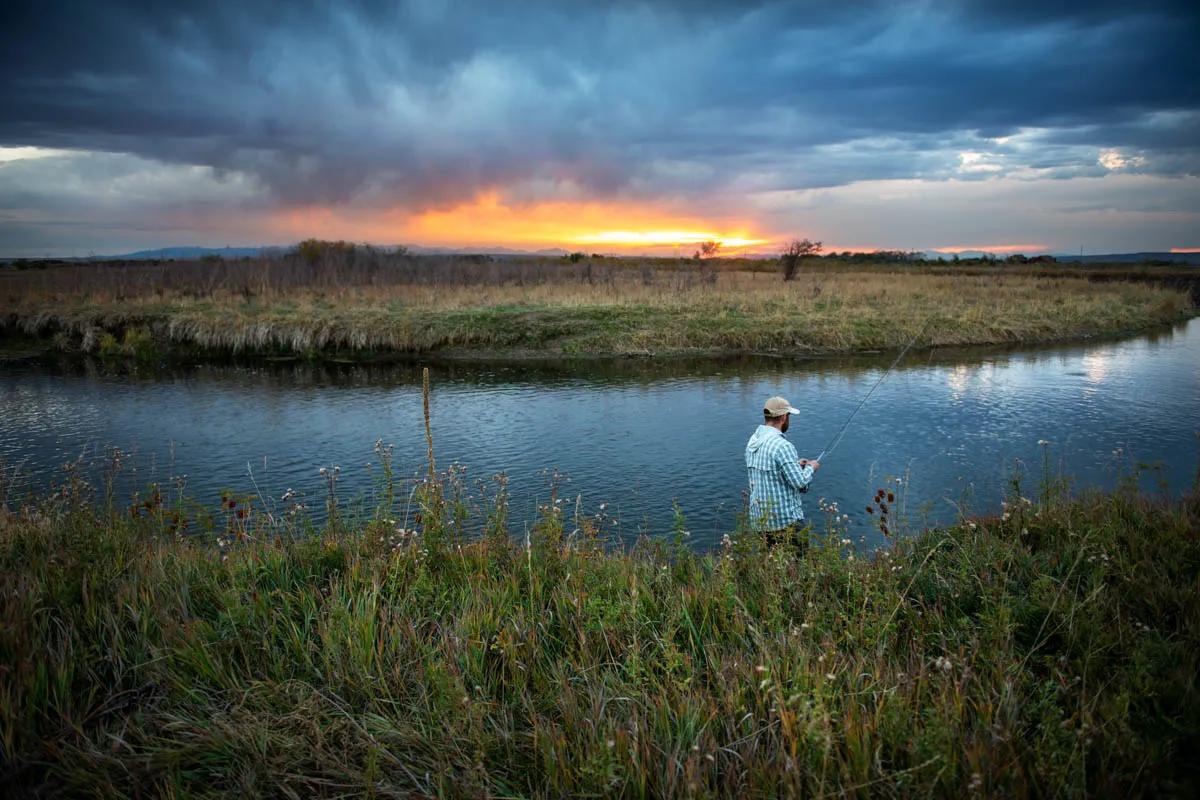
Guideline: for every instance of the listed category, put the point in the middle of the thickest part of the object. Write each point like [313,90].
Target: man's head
[777,413]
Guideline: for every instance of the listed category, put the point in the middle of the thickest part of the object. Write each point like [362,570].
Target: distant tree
[790,259]
[709,249]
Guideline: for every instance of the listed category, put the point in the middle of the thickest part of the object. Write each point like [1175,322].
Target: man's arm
[797,476]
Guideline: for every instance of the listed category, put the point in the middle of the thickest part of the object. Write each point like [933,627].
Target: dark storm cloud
[424,102]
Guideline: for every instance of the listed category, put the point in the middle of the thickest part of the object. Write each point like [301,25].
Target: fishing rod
[841,432]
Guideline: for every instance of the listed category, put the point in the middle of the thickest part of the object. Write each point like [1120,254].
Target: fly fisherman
[777,477]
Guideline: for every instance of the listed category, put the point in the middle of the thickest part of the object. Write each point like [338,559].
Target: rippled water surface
[633,434]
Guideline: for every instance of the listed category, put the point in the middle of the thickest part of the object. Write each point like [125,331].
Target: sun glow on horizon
[993,248]
[620,225]
[667,239]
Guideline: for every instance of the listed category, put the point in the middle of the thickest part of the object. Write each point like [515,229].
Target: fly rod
[841,432]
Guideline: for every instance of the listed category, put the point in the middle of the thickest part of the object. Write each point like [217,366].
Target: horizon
[627,129]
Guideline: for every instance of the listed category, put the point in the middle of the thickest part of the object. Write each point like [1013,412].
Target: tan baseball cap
[777,407]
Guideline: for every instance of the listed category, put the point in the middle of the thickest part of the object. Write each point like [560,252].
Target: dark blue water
[635,435]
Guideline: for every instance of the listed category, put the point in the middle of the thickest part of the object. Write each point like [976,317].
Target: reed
[1051,650]
[664,312]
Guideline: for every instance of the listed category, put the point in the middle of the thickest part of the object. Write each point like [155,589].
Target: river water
[633,435]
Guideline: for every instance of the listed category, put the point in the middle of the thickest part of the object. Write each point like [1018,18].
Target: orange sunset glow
[623,226]
[489,220]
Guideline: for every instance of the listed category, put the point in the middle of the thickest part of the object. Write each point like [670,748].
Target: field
[1051,650]
[379,305]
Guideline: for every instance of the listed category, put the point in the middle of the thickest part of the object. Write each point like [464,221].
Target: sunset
[877,126]
[564,399]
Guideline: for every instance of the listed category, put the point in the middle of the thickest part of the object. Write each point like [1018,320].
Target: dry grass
[624,311]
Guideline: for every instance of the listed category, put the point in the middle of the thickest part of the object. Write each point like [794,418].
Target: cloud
[429,102]
[425,105]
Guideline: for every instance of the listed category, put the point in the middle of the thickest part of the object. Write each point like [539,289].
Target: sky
[1008,126]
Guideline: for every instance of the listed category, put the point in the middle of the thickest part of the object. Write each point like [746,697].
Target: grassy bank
[673,312]
[1051,651]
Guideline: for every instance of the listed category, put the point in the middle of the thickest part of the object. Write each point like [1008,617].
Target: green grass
[1051,651]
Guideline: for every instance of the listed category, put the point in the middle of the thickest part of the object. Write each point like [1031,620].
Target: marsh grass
[629,312]
[1051,650]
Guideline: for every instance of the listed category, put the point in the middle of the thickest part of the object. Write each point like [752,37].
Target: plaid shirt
[776,480]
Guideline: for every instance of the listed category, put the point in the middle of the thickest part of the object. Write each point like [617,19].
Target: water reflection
[635,433]
[1097,365]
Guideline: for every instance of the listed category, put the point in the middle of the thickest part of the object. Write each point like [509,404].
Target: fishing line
[841,432]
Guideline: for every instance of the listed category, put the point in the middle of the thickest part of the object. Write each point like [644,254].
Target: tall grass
[627,313]
[1052,650]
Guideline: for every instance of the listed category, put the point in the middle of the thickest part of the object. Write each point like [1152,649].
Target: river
[629,437]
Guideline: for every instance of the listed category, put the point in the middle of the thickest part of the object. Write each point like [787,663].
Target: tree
[708,249]
[790,259]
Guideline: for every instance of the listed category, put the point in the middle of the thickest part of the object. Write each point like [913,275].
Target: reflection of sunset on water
[1097,365]
[957,380]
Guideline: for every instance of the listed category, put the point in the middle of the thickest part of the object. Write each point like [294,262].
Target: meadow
[1052,650]
[362,304]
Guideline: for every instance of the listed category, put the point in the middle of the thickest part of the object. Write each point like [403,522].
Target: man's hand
[816,465]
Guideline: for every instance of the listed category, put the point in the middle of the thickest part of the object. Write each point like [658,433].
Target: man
[777,476]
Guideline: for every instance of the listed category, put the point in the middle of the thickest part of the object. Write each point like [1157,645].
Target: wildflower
[870,510]
[943,663]
[891,497]
[1042,443]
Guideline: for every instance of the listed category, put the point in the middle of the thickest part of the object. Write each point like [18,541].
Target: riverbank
[1052,650]
[669,314]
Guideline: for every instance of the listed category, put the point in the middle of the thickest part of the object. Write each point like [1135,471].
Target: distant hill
[187,252]
[1133,258]
[181,253]
[1101,258]
[192,253]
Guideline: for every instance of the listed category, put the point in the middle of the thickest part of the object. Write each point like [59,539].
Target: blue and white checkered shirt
[776,479]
